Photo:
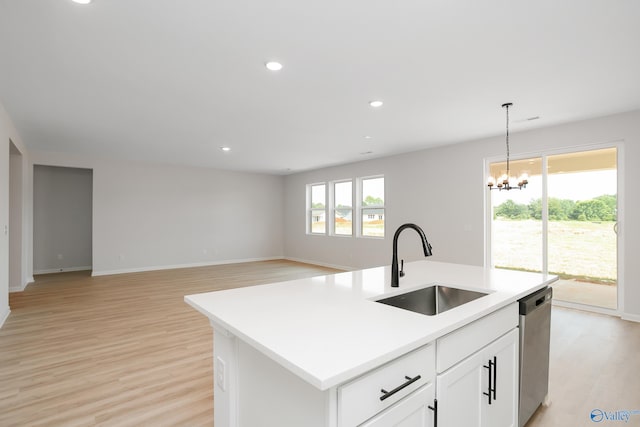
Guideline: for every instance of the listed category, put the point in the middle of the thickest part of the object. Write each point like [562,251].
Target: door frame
[17,236]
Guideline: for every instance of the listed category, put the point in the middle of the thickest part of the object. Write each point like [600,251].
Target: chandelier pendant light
[506,181]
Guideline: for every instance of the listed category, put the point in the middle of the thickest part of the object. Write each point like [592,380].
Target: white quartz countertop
[329,329]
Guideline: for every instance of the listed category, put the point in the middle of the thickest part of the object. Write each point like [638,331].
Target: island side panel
[272,396]
[225,378]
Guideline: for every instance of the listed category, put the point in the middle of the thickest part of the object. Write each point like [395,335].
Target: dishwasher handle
[535,301]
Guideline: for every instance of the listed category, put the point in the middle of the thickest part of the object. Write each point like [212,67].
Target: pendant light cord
[504,183]
[507,107]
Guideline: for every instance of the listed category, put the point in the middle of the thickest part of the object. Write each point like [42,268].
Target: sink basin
[432,300]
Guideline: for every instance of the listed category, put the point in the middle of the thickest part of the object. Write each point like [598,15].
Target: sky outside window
[373,187]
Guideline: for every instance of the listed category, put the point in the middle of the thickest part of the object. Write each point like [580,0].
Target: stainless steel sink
[432,300]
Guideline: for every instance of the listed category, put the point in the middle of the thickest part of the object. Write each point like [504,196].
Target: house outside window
[372,206]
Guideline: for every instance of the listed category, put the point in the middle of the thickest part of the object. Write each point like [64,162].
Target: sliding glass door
[582,241]
[516,233]
[564,222]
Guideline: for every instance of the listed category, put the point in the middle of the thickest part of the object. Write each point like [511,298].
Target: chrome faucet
[395,273]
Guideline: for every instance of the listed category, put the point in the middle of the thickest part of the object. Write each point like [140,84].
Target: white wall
[8,132]
[62,214]
[442,190]
[149,216]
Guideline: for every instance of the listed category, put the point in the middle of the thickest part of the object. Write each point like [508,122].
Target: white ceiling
[173,80]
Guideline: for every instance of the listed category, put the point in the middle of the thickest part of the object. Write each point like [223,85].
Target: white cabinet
[481,390]
[503,410]
[476,385]
[460,394]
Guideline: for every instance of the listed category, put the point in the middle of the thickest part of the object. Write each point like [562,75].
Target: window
[317,209]
[331,210]
[372,207]
[342,208]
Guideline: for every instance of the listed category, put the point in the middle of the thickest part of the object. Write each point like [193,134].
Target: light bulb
[273,66]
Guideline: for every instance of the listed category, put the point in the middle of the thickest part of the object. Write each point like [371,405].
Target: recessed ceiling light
[368,137]
[273,66]
[375,104]
[81,1]
[225,149]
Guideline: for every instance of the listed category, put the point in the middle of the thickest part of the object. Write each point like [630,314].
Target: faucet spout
[395,274]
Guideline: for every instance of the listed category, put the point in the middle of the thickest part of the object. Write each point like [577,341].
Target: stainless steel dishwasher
[535,334]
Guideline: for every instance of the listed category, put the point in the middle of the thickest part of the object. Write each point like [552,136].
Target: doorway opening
[563,223]
[62,219]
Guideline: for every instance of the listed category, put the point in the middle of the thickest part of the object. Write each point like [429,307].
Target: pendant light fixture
[506,181]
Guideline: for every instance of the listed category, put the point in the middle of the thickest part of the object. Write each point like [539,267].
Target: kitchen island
[303,352]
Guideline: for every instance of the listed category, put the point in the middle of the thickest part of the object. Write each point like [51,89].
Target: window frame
[334,209]
[357,207]
[310,209]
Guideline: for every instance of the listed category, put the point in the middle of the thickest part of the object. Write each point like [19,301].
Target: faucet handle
[401,268]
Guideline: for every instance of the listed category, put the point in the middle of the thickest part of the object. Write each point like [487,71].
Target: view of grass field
[576,249]
[344,227]
[318,227]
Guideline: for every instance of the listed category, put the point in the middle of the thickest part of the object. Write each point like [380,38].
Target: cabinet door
[503,410]
[460,397]
[414,410]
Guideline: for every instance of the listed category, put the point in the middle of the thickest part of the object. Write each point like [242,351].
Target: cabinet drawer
[360,399]
[413,410]
[467,340]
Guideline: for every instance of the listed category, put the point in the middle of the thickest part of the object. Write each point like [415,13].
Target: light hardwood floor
[595,364]
[121,350]
[126,350]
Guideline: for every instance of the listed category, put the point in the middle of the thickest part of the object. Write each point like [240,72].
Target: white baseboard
[174,266]
[630,317]
[588,308]
[61,270]
[598,310]
[17,288]
[4,316]
[188,265]
[321,264]
[24,285]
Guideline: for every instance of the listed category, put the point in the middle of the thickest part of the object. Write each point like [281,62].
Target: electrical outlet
[221,374]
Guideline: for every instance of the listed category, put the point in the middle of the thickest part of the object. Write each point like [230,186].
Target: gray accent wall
[62,219]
